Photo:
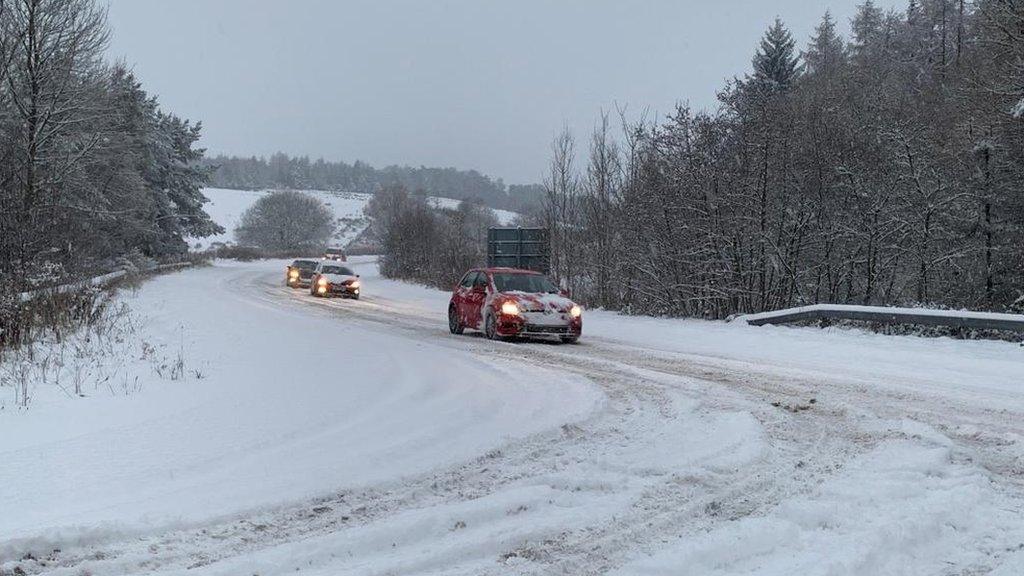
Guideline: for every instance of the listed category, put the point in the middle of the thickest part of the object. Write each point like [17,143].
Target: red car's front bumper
[525,325]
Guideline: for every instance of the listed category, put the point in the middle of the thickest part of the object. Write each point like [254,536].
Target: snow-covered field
[339,437]
[227,206]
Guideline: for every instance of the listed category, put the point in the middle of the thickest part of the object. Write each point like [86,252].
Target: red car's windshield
[512,282]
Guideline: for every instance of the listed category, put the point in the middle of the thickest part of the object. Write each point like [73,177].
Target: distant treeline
[886,168]
[300,173]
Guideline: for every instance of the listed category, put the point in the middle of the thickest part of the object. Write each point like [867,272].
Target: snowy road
[340,437]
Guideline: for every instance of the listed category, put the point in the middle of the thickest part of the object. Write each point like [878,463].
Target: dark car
[335,254]
[299,273]
[507,302]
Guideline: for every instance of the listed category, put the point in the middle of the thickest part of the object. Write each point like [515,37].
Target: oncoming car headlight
[575,311]
[353,284]
[293,274]
[510,308]
[321,282]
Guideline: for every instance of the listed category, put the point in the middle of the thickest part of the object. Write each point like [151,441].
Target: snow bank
[477,535]
[283,404]
[954,367]
[903,508]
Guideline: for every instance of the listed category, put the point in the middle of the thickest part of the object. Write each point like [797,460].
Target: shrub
[287,220]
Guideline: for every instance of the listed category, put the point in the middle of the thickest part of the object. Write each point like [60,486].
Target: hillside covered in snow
[227,206]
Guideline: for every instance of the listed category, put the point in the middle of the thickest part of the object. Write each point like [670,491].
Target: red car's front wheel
[491,328]
[454,324]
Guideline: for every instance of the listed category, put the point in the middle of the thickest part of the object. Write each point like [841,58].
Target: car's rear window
[513,282]
[304,264]
[338,270]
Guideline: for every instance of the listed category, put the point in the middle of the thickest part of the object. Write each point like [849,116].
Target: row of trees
[90,167]
[281,171]
[426,244]
[883,169]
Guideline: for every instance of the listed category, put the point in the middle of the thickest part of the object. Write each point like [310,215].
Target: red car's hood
[539,301]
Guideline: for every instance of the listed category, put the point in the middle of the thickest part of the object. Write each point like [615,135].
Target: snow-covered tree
[287,221]
[776,63]
[826,53]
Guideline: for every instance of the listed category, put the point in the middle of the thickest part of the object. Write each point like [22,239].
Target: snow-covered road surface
[653,447]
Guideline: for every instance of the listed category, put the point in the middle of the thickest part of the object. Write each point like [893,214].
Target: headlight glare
[322,282]
[510,308]
[575,311]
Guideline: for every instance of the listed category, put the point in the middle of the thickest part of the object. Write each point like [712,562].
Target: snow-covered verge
[689,447]
[273,406]
[905,507]
[227,206]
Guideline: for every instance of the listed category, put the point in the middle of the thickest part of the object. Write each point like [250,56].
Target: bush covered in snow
[287,220]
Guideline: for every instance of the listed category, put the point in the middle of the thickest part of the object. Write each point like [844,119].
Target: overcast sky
[469,83]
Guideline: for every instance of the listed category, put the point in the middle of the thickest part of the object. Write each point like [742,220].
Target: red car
[506,302]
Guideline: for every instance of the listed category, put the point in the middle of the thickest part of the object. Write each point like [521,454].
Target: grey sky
[468,83]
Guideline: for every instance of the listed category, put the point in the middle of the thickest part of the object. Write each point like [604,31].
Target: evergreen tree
[776,64]
[826,52]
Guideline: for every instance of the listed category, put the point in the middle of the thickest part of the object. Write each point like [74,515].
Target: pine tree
[867,27]
[826,51]
[776,65]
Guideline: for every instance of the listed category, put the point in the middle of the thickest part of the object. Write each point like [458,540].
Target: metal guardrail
[926,317]
[96,281]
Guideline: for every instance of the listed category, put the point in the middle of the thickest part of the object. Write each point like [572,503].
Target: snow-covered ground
[341,437]
[288,406]
[505,217]
[227,206]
